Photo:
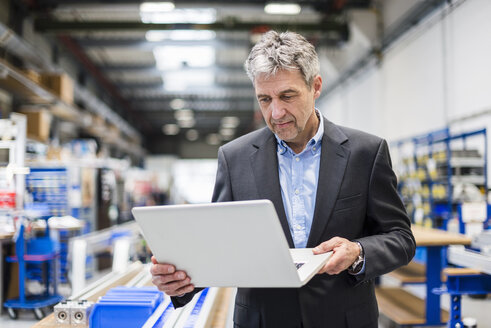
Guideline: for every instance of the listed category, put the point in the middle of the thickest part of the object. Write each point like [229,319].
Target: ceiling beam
[151,69]
[220,105]
[49,25]
[194,2]
[80,55]
[150,45]
[131,84]
[203,119]
[191,93]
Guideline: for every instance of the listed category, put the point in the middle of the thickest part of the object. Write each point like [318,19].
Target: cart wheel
[38,313]
[13,314]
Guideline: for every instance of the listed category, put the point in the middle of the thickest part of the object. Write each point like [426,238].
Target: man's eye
[263,100]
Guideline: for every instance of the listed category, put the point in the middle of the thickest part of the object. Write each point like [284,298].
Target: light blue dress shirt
[299,174]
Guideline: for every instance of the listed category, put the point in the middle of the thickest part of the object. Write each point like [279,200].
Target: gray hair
[285,51]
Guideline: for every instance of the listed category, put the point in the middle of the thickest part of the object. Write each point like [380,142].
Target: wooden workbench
[436,237]
[217,319]
[403,307]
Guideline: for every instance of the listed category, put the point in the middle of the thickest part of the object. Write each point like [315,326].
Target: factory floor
[475,308]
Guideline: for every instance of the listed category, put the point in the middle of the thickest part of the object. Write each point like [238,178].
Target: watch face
[356,267]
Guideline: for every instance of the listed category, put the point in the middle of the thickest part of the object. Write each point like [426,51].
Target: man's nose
[277,111]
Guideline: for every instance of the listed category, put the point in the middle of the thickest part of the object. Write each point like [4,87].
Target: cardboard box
[112,132]
[53,153]
[32,75]
[59,84]
[98,121]
[38,124]
[87,186]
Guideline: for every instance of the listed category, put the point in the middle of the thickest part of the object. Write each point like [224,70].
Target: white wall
[438,72]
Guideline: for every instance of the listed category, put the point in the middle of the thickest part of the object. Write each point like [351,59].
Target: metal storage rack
[428,176]
[49,193]
[29,92]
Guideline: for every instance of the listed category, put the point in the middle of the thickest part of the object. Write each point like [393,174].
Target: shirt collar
[313,145]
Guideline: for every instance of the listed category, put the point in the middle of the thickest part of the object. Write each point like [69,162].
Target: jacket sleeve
[389,242]
[223,188]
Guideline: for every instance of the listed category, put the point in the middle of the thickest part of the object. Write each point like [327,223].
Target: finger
[170,278]
[341,260]
[323,269]
[321,248]
[177,287]
[337,263]
[184,290]
[334,267]
[169,281]
[327,245]
[154,260]
[162,268]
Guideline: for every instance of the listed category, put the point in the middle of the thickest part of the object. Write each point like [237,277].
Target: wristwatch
[358,264]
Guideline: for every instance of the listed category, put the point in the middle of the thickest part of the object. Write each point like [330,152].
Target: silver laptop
[230,244]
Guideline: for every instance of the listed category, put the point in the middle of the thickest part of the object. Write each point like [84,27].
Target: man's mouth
[282,124]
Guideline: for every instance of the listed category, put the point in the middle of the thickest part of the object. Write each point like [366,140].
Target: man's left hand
[344,254]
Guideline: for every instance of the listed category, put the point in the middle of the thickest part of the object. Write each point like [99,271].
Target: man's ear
[317,85]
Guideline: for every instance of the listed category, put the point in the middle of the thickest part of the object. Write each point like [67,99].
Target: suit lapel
[264,162]
[334,158]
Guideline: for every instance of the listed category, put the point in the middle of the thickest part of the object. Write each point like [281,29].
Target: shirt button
[297,158]
[314,148]
[297,191]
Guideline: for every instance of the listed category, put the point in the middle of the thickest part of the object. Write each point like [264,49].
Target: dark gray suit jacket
[356,199]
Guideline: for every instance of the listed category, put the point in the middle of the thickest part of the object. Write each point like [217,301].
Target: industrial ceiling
[176,73]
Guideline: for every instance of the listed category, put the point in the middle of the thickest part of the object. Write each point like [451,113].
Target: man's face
[287,105]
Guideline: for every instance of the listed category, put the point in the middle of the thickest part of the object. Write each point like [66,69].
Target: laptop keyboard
[299,265]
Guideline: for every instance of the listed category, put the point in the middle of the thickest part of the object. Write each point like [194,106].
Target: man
[333,189]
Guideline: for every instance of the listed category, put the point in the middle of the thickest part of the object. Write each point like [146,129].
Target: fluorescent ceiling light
[227,133]
[183,114]
[186,123]
[180,35]
[185,118]
[189,16]
[154,7]
[192,135]
[213,139]
[230,122]
[171,129]
[174,57]
[180,81]
[177,103]
[282,8]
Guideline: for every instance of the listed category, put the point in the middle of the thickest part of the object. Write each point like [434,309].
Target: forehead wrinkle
[288,90]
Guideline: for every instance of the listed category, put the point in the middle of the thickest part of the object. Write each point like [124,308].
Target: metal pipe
[14,44]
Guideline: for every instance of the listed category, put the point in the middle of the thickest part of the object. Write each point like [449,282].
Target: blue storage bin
[41,245]
[125,307]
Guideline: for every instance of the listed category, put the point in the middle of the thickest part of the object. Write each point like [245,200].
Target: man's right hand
[169,280]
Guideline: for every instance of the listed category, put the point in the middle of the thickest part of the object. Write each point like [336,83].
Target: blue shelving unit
[438,159]
[49,189]
[429,148]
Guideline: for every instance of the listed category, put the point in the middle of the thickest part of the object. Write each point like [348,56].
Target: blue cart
[36,250]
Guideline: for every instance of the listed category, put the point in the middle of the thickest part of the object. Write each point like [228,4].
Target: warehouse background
[435,75]
[144,97]
[374,57]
